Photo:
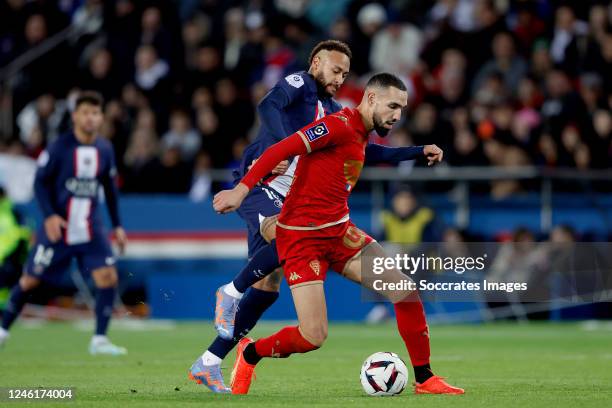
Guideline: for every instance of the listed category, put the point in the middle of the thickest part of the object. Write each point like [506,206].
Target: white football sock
[3,333]
[99,339]
[209,359]
[231,290]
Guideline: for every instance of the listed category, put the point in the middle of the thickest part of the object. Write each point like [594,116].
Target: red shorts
[306,255]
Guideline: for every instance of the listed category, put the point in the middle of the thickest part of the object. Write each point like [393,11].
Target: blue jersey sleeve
[46,172]
[111,193]
[376,154]
[270,109]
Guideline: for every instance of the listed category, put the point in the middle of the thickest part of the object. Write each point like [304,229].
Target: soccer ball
[384,373]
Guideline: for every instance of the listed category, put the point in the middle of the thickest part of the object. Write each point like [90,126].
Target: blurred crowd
[493,82]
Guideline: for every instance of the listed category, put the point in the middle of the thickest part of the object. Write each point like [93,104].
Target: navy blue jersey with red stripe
[68,183]
[290,105]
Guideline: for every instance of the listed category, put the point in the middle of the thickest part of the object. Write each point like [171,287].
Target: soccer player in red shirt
[315,232]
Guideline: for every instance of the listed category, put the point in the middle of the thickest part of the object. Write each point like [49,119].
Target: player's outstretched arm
[433,153]
[376,154]
[230,200]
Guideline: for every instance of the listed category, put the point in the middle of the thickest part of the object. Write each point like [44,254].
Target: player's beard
[89,130]
[322,85]
[379,127]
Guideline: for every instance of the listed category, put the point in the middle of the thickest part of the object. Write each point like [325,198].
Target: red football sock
[287,341]
[412,325]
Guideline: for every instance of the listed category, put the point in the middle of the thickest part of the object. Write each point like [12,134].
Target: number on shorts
[43,256]
[353,238]
[270,194]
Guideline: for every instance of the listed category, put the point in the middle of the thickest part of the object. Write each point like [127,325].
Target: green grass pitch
[500,365]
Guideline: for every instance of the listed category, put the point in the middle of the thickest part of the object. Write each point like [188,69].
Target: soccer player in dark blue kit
[294,102]
[70,173]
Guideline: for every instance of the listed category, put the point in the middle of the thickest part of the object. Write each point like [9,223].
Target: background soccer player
[291,104]
[316,233]
[67,183]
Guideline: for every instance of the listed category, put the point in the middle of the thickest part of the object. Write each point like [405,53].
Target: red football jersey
[326,175]
[332,152]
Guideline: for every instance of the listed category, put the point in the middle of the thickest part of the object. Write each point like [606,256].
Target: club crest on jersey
[316,132]
[315,266]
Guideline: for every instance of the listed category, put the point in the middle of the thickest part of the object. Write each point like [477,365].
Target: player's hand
[433,153]
[53,227]
[121,238]
[281,167]
[229,200]
[251,165]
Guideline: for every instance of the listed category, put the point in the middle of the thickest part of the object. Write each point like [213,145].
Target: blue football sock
[105,298]
[263,263]
[250,309]
[221,347]
[17,299]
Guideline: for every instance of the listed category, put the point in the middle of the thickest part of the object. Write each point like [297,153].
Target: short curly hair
[331,45]
[386,80]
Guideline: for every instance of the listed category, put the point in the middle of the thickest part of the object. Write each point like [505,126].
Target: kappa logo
[316,132]
[293,276]
[315,266]
[294,80]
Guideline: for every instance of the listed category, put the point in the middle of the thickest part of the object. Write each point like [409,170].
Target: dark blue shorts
[261,202]
[49,261]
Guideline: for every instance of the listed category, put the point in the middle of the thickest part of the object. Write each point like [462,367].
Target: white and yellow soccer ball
[384,374]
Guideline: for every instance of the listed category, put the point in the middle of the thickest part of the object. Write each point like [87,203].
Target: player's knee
[272,282]
[105,277]
[28,283]
[315,334]
[267,228]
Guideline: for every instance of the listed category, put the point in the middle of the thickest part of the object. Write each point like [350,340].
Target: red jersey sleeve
[289,146]
[323,133]
[316,136]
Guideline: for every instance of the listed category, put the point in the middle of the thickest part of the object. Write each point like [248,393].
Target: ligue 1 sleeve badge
[316,131]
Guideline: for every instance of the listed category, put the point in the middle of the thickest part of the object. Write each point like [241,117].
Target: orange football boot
[243,372]
[437,385]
